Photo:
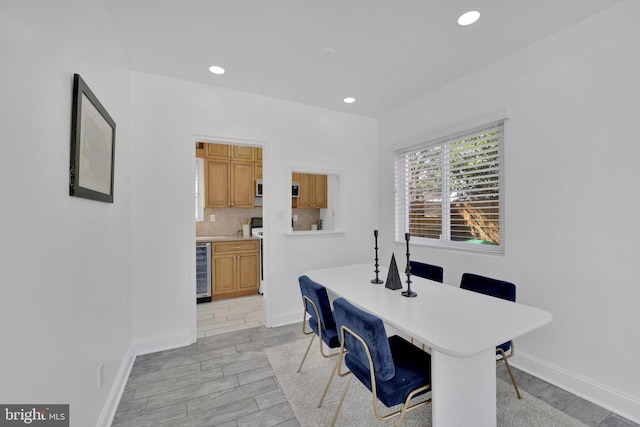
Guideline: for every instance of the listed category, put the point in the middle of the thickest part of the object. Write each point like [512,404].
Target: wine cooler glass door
[203,271]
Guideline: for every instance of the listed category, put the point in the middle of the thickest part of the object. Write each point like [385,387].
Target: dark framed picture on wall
[93,138]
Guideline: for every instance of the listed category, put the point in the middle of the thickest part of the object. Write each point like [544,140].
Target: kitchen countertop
[227,238]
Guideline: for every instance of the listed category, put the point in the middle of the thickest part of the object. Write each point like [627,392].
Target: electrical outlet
[100,375]
[295,218]
[212,218]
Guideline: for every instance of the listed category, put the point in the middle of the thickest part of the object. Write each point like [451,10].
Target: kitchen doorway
[228,312]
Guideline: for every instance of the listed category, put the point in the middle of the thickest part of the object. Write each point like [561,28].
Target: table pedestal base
[464,390]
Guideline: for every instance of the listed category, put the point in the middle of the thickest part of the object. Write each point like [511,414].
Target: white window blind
[449,192]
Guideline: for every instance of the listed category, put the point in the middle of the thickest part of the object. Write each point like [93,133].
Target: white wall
[165,115]
[65,263]
[71,270]
[571,197]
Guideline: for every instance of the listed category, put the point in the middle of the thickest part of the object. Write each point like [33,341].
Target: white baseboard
[113,400]
[138,348]
[152,345]
[616,401]
[285,318]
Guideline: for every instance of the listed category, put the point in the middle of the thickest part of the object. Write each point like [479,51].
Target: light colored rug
[303,391]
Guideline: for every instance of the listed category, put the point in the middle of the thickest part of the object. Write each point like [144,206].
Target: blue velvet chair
[427,271]
[321,321]
[499,289]
[393,369]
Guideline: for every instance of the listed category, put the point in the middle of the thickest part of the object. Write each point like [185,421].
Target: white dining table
[462,329]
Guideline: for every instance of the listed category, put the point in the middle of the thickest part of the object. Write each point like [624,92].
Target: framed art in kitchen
[93,137]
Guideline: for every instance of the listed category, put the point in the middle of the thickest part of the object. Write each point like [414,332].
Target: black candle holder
[408,293]
[377,280]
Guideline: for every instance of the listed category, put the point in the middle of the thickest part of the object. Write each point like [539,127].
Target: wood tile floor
[229,315]
[225,378]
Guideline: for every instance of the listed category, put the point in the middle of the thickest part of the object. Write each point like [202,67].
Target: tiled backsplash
[306,217]
[228,220]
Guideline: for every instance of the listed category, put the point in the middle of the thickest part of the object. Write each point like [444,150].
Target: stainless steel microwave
[295,188]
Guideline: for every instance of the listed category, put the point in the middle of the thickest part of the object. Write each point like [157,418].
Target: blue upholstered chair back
[318,294]
[488,286]
[492,287]
[371,329]
[427,271]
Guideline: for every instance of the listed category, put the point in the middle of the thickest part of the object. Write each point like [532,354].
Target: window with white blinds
[449,192]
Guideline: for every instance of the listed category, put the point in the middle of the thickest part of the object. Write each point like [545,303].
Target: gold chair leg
[513,379]
[402,413]
[306,352]
[344,393]
[406,408]
[326,389]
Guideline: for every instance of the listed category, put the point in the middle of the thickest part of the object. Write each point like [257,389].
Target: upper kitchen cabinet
[316,202]
[217,151]
[230,184]
[242,184]
[257,152]
[230,172]
[313,190]
[243,152]
[200,150]
[234,152]
[217,183]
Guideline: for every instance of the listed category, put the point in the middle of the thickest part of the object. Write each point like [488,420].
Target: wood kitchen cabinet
[200,150]
[230,174]
[313,190]
[216,151]
[229,183]
[235,268]
[225,151]
[258,160]
[243,152]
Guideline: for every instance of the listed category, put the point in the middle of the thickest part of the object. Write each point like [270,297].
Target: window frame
[447,137]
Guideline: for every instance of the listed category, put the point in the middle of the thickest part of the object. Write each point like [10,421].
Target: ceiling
[387,53]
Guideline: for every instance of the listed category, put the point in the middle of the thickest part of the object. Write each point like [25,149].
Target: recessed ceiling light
[349,100]
[216,69]
[327,51]
[469,18]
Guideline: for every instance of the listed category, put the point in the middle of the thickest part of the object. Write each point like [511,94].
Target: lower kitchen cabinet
[235,268]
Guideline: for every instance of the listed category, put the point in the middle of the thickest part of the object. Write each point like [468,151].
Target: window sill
[455,246]
[314,232]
